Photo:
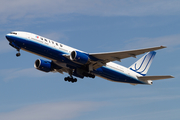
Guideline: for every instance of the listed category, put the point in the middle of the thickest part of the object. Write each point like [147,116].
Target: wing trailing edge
[113,56]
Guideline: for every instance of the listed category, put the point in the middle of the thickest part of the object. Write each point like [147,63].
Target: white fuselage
[56,46]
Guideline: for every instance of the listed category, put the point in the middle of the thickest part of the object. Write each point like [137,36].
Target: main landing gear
[70,79]
[89,75]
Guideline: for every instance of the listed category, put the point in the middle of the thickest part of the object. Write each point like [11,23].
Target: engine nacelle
[42,65]
[79,57]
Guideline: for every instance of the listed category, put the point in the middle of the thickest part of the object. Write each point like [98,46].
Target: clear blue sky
[91,26]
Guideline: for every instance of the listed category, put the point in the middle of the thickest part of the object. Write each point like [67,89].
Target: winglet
[163,46]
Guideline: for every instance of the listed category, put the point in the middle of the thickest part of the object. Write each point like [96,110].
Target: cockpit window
[13,33]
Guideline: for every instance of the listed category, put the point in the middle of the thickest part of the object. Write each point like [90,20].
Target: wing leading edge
[104,58]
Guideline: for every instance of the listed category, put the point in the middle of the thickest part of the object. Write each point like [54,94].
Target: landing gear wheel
[65,79]
[18,54]
[75,80]
[93,76]
[70,79]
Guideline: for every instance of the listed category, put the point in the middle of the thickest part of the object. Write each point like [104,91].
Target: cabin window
[52,42]
[13,33]
[61,45]
[41,38]
[45,40]
[57,44]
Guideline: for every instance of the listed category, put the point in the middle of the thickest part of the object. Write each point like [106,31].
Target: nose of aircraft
[7,37]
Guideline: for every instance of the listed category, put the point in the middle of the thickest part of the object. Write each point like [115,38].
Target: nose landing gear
[18,54]
[16,47]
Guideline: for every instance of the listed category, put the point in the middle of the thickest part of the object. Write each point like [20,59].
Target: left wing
[103,58]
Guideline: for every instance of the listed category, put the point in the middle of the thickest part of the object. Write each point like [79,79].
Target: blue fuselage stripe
[115,75]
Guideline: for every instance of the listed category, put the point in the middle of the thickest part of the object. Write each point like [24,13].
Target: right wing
[103,58]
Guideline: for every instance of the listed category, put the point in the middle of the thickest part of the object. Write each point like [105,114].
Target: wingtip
[172,76]
[163,46]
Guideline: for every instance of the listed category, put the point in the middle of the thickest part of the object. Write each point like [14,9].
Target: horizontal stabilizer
[144,78]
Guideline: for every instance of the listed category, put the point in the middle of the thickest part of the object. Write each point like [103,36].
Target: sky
[92,26]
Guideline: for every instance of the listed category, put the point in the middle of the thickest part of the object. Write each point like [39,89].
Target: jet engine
[43,65]
[79,57]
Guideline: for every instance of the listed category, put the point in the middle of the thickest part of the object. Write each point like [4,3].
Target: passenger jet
[77,63]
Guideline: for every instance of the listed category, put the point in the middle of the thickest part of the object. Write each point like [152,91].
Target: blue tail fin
[142,65]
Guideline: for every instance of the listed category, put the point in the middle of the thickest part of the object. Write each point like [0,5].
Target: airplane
[82,64]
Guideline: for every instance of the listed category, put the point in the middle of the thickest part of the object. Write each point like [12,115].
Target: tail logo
[143,64]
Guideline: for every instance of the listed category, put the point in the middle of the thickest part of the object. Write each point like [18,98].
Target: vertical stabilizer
[142,65]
